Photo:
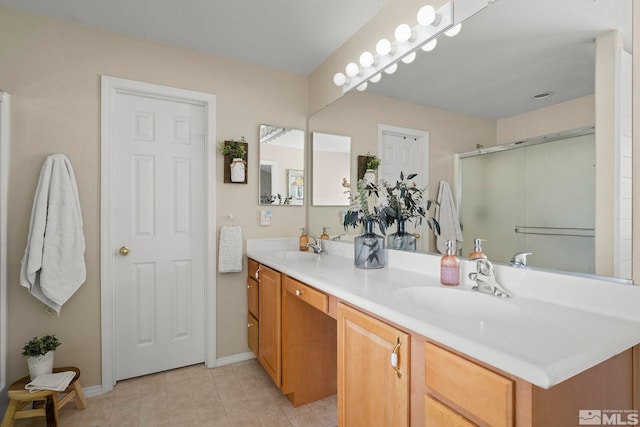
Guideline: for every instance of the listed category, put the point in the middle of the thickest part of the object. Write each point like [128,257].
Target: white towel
[53,266]
[447,216]
[58,382]
[230,250]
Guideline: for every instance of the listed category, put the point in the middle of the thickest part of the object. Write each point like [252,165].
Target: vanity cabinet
[295,334]
[371,390]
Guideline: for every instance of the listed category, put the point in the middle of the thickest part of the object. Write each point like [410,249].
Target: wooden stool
[19,397]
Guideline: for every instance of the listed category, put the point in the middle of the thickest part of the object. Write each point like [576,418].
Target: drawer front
[252,296]
[437,414]
[473,388]
[252,268]
[307,294]
[252,333]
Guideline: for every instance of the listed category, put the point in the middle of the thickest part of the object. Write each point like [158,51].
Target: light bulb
[383,47]
[453,31]
[403,33]
[409,58]
[352,69]
[391,69]
[366,59]
[362,87]
[339,79]
[428,47]
[376,78]
[426,15]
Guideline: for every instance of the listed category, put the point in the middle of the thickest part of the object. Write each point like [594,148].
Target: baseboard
[95,390]
[235,358]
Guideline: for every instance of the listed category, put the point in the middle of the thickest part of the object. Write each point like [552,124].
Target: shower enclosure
[536,197]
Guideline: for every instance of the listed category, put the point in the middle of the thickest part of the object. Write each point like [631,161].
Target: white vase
[40,365]
[237,170]
[369,177]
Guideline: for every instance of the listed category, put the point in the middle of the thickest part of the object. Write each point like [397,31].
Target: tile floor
[238,395]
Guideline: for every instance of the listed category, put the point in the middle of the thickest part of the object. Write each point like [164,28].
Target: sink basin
[296,255]
[457,302]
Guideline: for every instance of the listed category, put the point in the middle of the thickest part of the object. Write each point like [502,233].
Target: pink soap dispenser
[449,266]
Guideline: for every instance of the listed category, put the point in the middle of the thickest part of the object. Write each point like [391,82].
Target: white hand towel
[447,216]
[53,266]
[230,249]
[58,382]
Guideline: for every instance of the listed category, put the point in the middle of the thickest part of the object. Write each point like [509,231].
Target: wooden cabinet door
[371,392]
[269,341]
[252,333]
[252,296]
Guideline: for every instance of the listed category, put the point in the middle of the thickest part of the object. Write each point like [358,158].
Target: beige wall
[52,70]
[564,116]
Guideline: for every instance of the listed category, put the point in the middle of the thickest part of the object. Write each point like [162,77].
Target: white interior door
[159,219]
[405,150]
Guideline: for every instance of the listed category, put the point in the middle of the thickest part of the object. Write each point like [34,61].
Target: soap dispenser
[324,234]
[449,266]
[477,249]
[304,239]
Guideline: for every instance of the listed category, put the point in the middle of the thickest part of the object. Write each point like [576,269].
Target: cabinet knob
[250,325]
[251,286]
[258,274]
[299,292]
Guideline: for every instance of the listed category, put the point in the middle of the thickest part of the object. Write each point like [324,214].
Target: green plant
[373,161]
[360,210]
[235,149]
[407,202]
[40,346]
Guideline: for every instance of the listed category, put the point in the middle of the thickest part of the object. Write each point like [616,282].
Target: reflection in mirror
[516,50]
[281,166]
[536,197]
[331,169]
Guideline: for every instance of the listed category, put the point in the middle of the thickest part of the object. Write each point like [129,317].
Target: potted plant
[368,247]
[237,151]
[372,162]
[39,353]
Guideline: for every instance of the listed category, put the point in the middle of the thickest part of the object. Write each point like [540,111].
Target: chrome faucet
[485,279]
[316,245]
[520,259]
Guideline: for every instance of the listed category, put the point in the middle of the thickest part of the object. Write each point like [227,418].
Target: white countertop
[561,325]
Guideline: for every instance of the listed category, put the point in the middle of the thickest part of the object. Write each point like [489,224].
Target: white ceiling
[507,53]
[290,35]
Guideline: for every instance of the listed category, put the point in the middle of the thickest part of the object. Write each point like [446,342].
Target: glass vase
[402,240]
[369,248]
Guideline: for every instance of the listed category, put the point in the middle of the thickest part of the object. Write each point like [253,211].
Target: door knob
[124,251]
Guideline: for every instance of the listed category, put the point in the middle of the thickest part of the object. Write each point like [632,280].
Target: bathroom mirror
[507,42]
[330,169]
[281,166]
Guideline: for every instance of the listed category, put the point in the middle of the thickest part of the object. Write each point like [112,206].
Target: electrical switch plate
[265,217]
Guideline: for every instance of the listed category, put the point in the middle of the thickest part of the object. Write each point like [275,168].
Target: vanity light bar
[419,36]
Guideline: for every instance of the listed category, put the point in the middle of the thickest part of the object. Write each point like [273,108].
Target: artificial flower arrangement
[384,204]
[399,202]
